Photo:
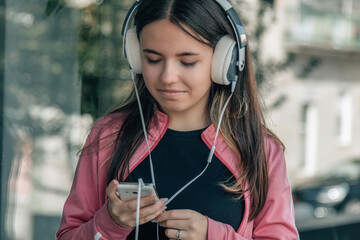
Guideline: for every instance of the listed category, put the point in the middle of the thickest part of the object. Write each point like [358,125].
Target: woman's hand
[124,212]
[189,224]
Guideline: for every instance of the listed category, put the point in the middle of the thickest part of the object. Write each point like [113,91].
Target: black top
[177,159]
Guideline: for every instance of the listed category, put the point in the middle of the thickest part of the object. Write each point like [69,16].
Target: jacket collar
[157,129]
[160,122]
[222,151]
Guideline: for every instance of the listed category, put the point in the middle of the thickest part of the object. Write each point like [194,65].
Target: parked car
[338,190]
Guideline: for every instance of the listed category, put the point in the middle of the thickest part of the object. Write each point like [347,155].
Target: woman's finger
[176,224]
[152,215]
[149,210]
[111,190]
[144,201]
[176,233]
[174,214]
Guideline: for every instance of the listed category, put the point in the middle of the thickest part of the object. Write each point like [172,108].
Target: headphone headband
[127,22]
[236,24]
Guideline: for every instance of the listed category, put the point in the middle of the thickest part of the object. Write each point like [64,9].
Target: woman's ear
[223,66]
[132,49]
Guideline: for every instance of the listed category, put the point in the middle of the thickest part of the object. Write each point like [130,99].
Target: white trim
[97,236]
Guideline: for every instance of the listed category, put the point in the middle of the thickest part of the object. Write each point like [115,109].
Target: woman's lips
[170,93]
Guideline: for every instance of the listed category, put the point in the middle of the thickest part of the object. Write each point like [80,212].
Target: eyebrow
[178,55]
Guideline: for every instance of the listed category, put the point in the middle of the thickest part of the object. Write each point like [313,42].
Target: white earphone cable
[233,84]
[140,185]
[140,181]
[211,154]
[144,128]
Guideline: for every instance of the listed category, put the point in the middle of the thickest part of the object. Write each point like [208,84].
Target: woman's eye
[188,64]
[151,61]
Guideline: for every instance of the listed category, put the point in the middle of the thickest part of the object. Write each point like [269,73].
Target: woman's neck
[181,122]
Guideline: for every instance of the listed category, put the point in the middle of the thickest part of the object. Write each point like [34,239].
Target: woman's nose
[169,74]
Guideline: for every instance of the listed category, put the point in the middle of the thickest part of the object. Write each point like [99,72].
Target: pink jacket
[85,214]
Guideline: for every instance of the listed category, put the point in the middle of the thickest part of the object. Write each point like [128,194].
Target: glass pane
[43,125]
[63,68]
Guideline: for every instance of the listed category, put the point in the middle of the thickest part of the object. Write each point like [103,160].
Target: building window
[309,134]
[344,118]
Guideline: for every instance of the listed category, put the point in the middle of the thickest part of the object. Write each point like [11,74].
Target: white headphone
[228,58]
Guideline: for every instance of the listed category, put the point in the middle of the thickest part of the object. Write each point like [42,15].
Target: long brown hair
[243,127]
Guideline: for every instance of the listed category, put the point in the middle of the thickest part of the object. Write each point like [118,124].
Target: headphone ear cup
[132,49]
[223,66]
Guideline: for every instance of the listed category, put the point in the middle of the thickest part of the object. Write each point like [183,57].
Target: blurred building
[60,67]
[316,99]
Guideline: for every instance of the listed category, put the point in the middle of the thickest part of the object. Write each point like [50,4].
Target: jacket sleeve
[276,220]
[222,231]
[85,214]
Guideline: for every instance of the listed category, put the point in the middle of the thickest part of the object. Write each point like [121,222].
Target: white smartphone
[129,190]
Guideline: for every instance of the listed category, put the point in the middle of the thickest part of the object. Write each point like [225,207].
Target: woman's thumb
[111,189]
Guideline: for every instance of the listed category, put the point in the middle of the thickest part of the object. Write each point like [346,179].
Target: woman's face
[176,68]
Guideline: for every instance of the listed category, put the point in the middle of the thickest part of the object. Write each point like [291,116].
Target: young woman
[243,194]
